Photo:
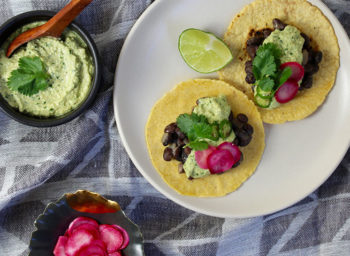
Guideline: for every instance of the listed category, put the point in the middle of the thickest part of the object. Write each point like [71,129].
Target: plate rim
[335,23]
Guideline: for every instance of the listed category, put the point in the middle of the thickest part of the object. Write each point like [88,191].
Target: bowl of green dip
[48,81]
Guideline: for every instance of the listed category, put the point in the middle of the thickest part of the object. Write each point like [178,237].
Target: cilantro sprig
[30,77]
[266,70]
[198,130]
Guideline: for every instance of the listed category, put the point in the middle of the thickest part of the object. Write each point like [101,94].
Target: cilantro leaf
[197,127]
[202,130]
[264,64]
[198,145]
[266,84]
[30,77]
[272,48]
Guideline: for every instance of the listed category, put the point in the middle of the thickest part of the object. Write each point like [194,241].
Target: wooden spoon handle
[64,17]
[54,27]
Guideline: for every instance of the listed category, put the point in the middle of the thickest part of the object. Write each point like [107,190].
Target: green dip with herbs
[67,61]
[290,43]
[215,109]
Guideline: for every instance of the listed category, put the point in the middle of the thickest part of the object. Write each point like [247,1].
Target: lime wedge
[203,51]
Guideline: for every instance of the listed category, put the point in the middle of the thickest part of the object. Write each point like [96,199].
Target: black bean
[278,24]
[266,32]
[249,67]
[178,153]
[180,134]
[242,118]
[183,156]
[250,79]
[230,117]
[251,50]
[239,162]
[244,138]
[168,154]
[248,128]
[311,68]
[255,41]
[180,142]
[186,141]
[167,139]
[305,57]
[307,82]
[318,56]
[181,168]
[236,125]
[170,128]
[187,150]
[307,41]
[236,141]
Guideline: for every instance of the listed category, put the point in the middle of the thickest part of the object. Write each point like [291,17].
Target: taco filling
[282,62]
[207,141]
[201,138]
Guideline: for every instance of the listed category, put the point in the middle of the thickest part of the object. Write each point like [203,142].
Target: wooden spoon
[54,27]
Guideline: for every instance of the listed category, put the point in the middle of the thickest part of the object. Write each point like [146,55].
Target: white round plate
[299,156]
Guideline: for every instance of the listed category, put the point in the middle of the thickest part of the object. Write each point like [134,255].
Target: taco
[316,55]
[171,148]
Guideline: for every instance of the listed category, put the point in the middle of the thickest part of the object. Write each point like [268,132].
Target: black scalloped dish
[57,216]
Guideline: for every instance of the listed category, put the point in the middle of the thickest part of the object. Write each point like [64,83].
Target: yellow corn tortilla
[308,19]
[181,100]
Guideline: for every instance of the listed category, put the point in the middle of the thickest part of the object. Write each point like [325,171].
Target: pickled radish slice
[125,236]
[234,150]
[89,228]
[112,237]
[287,91]
[79,221]
[117,253]
[202,157]
[96,248]
[297,70]
[85,237]
[220,160]
[60,245]
[79,239]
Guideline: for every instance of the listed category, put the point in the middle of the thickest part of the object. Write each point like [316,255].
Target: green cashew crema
[214,109]
[290,42]
[68,63]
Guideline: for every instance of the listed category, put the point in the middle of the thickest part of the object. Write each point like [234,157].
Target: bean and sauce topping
[175,140]
[311,57]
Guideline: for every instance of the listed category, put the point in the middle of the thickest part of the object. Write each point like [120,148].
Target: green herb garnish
[267,74]
[197,129]
[30,77]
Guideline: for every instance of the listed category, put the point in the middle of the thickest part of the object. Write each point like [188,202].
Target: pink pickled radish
[112,237]
[90,228]
[117,253]
[287,91]
[79,239]
[234,150]
[81,220]
[220,160]
[297,70]
[60,245]
[96,248]
[125,236]
[202,157]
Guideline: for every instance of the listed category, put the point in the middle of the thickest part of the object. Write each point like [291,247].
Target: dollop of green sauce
[215,109]
[290,42]
[68,63]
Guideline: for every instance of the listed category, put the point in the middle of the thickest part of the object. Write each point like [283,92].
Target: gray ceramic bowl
[55,219]
[20,20]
